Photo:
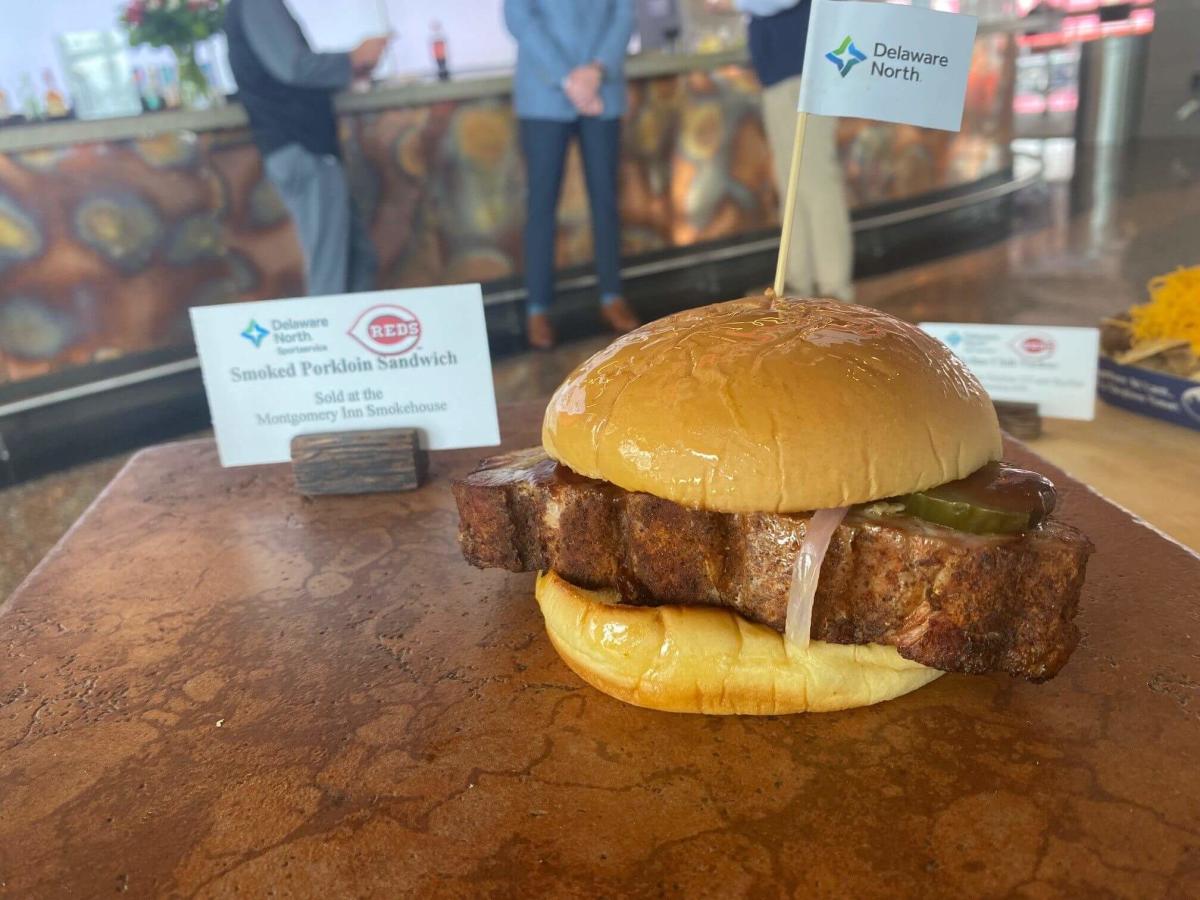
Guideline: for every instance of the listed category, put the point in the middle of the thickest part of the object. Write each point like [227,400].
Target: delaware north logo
[846,57]
[255,333]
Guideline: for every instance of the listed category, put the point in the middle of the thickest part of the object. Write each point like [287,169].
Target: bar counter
[110,230]
[380,97]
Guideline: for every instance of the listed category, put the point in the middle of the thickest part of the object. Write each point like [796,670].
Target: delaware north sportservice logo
[846,57]
[255,333]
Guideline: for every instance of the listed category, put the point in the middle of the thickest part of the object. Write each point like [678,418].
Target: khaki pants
[821,257]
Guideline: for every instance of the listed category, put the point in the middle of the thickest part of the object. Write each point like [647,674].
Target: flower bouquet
[178,24]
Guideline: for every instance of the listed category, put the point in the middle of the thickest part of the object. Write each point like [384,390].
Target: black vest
[777,43]
[280,114]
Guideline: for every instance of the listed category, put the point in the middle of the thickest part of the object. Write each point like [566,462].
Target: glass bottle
[212,83]
[438,47]
[30,106]
[168,86]
[151,101]
[56,103]
[158,96]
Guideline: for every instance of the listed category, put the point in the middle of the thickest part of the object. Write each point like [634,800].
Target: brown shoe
[620,316]
[539,332]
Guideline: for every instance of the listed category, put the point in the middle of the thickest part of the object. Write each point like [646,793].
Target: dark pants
[544,143]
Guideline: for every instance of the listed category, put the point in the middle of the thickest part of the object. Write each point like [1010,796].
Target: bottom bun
[703,659]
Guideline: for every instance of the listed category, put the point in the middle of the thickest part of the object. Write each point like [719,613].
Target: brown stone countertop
[215,687]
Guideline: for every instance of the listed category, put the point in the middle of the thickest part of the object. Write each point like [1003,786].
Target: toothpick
[789,204]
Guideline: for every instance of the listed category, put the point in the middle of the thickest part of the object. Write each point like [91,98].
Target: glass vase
[194,90]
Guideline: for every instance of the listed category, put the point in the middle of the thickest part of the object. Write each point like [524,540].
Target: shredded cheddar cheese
[1173,312]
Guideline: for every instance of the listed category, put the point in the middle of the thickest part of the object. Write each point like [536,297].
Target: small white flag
[888,62]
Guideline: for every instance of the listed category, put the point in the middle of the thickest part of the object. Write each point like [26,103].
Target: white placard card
[389,359]
[1054,367]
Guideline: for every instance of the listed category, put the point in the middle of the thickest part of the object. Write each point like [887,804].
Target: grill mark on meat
[950,600]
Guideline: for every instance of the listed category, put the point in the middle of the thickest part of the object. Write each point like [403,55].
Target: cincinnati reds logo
[387,330]
[1034,346]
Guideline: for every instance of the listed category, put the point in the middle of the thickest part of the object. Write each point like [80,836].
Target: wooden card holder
[1021,420]
[359,462]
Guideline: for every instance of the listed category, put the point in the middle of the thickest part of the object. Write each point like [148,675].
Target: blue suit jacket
[555,36]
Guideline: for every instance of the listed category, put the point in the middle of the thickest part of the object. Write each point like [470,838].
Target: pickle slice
[996,499]
[965,517]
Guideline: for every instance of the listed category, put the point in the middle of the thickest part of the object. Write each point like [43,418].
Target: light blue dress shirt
[555,36]
[764,7]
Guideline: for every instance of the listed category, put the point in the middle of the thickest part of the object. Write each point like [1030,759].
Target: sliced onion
[803,589]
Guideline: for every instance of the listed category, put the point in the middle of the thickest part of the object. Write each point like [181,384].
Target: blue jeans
[544,143]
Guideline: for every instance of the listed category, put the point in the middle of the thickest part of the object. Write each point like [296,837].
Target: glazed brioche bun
[770,404]
[704,659]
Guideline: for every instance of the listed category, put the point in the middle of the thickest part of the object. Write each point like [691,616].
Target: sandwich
[777,505]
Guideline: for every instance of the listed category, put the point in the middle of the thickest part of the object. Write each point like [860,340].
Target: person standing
[570,83]
[288,91]
[821,258]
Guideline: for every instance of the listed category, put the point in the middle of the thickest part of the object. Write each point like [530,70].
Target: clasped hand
[582,87]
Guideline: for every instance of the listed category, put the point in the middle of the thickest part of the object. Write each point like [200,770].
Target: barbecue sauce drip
[995,499]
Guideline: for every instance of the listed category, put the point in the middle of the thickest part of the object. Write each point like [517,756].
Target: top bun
[770,404]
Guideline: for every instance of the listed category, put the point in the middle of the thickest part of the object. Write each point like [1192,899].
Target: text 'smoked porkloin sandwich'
[775,505]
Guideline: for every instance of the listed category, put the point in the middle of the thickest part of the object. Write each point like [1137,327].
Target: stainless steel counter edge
[16,139]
